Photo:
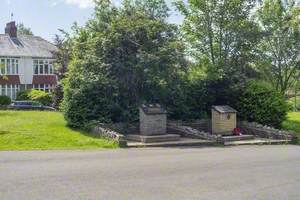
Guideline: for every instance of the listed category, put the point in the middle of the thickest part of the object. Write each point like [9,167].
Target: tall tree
[123,57]
[280,47]
[220,34]
[62,56]
[23,30]
[62,59]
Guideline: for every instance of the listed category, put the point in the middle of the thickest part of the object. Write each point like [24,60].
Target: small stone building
[153,120]
[223,120]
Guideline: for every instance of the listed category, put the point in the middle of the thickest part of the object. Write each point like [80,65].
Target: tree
[220,34]
[123,57]
[22,30]
[62,56]
[280,47]
[62,59]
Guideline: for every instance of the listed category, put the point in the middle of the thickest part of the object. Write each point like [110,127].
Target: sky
[45,17]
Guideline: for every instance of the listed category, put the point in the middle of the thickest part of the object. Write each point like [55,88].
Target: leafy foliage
[58,95]
[280,48]
[23,95]
[220,35]
[4,100]
[123,57]
[23,30]
[35,95]
[261,103]
[40,96]
[62,59]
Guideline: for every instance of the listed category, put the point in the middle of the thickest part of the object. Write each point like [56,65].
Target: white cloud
[81,3]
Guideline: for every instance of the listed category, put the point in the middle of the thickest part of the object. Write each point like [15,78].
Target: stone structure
[261,131]
[188,131]
[153,120]
[223,120]
[102,131]
[153,125]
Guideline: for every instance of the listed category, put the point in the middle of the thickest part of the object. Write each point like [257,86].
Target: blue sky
[45,17]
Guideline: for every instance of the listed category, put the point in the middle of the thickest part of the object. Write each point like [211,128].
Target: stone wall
[267,132]
[102,131]
[202,124]
[191,132]
[123,128]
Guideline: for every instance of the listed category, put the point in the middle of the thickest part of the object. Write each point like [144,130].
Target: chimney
[11,29]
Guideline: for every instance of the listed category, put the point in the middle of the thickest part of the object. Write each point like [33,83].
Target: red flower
[237,131]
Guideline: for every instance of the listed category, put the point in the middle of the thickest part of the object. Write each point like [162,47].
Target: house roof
[26,46]
[224,109]
[44,79]
[10,79]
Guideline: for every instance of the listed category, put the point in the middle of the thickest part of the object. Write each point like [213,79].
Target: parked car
[29,105]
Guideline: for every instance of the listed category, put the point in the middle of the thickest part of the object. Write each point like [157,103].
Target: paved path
[248,172]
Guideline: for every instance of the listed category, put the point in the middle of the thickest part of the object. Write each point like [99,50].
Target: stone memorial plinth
[153,125]
[153,120]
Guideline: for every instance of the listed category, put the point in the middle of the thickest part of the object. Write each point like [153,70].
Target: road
[248,172]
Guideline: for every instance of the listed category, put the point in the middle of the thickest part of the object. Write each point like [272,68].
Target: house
[26,62]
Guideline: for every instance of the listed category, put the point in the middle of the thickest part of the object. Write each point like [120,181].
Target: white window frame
[14,89]
[11,65]
[41,64]
[44,87]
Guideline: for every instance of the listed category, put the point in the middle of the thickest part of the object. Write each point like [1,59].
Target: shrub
[58,95]
[23,95]
[89,102]
[4,101]
[261,103]
[41,97]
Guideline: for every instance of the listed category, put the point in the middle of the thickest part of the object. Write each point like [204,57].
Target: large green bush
[117,65]
[260,103]
[4,101]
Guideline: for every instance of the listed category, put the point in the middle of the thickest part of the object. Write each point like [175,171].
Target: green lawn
[293,123]
[33,130]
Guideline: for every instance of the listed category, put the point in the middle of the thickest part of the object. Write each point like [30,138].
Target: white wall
[26,70]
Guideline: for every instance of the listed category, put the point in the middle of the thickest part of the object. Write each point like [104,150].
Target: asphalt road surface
[248,172]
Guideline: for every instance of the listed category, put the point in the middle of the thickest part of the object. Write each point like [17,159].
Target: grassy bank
[293,123]
[37,130]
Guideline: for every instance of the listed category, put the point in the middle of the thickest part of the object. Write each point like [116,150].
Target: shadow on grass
[86,133]
[6,113]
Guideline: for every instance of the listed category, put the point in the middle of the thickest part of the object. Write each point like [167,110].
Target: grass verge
[293,123]
[39,130]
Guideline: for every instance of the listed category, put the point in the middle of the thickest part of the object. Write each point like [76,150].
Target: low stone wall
[123,128]
[267,132]
[102,131]
[188,131]
[202,124]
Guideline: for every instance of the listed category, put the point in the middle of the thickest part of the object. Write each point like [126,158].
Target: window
[44,87]
[2,66]
[36,67]
[9,66]
[9,90]
[43,67]
[46,68]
